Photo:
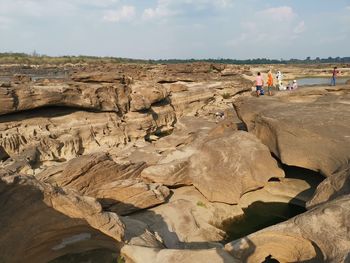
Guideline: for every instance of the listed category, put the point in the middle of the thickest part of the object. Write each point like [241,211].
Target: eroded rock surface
[98,96]
[160,144]
[332,187]
[39,222]
[306,128]
[220,161]
[134,254]
[118,187]
[225,168]
[189,220]
[319,235]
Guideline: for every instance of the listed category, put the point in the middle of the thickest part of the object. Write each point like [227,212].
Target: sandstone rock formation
[224,169]
[153,160]
[99,96]
[307,128]
[40,222]
[189,220]
[332,187]
[122,107]
[60,134]
[134,254]
[319,235]
[118,187]
[245,164]
[285,190]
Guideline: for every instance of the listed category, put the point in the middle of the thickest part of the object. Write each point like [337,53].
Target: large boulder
[318,235]
[284,191]
[39,222]
[225,168]
[245,163]
[306,128]
[197,95]
[332,187]
[137,254]
[143,95]
[188,220]
[60,134]
[159,119]
[97,96]
[118,187]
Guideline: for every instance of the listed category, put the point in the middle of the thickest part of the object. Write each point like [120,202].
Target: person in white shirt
[295,85]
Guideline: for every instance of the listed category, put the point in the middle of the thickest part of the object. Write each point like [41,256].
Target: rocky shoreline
[157,163]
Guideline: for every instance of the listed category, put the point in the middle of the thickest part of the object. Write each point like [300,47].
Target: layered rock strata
[40,222]
[118,187]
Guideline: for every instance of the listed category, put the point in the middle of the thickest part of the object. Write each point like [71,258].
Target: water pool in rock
[319,81]
[260,215]
[92,256]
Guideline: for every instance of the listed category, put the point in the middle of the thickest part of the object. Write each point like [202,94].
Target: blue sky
[153,29]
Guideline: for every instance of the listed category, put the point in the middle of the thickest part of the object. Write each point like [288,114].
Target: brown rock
[332,187]
[171,174]
[305,128]
[177,87]
[39,222]
[188,220]
[93,77]
[102,97]
[225,168]
[143,95]
[137,254]
[117,186]
[159,119]
[60,133]
[318,235]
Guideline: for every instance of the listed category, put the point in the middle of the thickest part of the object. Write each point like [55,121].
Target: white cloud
[300,28]
[274,25]
[223,3]
[348,8]
[125,13]
[168,8]
[280,14]
[158,12]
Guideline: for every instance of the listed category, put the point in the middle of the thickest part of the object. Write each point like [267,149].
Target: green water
[260,215]
[92,256]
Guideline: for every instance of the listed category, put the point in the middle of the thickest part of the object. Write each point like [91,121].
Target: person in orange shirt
[269,82]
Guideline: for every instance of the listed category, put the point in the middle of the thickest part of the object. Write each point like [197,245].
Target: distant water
[319,81]
[35,77]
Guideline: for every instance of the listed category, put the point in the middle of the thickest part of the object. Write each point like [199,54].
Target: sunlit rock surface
[155,163]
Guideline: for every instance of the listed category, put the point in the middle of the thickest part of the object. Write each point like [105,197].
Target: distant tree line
[35,58]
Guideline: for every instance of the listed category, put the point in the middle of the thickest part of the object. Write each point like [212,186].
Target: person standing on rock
[279,77]
[334,76]
[259,83]
[269,82]
[294,85]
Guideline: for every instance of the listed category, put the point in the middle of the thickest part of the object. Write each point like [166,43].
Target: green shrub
[120,259]
[201,204]
[226,95]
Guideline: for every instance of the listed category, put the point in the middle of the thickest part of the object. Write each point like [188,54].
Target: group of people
[259,83]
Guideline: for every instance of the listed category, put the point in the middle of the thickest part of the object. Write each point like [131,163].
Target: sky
[183,29]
